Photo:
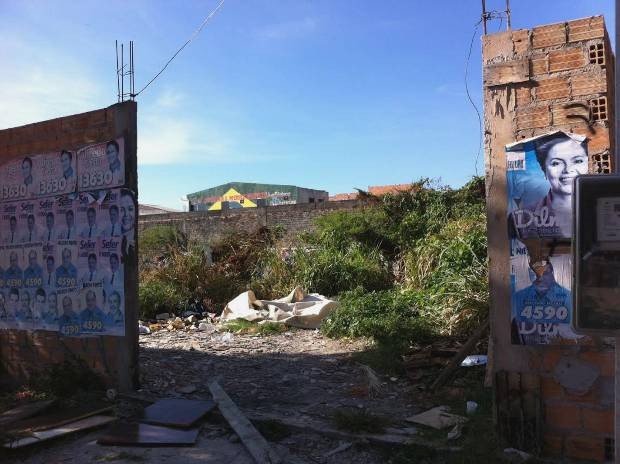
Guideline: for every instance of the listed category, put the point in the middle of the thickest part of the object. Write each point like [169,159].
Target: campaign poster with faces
[54,173]
[102,165]
[64,232]
[540,173]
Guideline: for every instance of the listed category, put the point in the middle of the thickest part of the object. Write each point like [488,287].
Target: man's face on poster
[13,223]
[111,153]
[65,161]
[52,301]
[91,300]
[91,216]
[67,305]
[566,160]
[49,220]
[32,259]
[69,218]
[92,263]
[113,215]
[128,212]
[115,301]
[30,222]
[66,257]
[13,260]
[26,168]
[50,264]
[114,263]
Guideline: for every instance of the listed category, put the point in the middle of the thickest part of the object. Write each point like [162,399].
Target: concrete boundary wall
[208,226]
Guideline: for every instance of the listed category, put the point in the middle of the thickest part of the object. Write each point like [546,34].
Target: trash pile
[296,310]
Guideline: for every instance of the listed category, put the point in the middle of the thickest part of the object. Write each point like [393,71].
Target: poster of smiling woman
[540,173]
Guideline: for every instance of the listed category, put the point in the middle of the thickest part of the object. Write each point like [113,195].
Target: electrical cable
[192,37]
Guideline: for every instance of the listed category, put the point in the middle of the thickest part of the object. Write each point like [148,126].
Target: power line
[192,37]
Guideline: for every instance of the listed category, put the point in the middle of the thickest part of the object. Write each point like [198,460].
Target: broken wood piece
[23,412]
[38,437]
[455,363]
[254,442]
[57,418]
[507,72]
[342,447]
[135,434]
[307,424]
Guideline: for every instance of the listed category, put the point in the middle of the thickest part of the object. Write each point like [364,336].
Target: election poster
[65,230]
[540,173]
[102,166]
[54,173]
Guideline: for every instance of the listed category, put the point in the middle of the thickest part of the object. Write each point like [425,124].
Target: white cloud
[289,29]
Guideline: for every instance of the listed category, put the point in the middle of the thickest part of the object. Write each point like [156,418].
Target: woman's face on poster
[566,160]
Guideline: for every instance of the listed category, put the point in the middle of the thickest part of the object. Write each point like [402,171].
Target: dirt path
[300,376]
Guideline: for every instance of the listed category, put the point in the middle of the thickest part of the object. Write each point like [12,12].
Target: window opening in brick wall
[597,54]
[599,109]
[600,163]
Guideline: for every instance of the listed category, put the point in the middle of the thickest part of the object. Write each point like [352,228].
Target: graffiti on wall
[65,228]
[237,200]
[540,173]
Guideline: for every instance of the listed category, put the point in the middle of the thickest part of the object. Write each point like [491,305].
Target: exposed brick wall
[569,87]
[23,354]
[208,226]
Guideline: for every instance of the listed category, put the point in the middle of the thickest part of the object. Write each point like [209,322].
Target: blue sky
[328,94]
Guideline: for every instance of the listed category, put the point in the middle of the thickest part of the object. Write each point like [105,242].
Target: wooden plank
[38,437]
[23,412]
[507,72]
[56,419]
[250,437]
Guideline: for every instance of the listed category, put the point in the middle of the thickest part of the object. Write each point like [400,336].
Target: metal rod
[508,25]
[484,17]
[118,86]
[131,69]
[123,73]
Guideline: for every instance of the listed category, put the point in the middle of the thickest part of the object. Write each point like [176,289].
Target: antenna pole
[484,17]
[508,25]
[118,84]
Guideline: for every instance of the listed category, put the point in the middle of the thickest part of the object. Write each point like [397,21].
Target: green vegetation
[405,267]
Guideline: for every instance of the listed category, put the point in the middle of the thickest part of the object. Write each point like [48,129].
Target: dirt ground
[320,386]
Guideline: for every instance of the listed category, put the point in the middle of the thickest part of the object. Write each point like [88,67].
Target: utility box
[596,255]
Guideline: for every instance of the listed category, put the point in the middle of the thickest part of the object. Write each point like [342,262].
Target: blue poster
[539,177]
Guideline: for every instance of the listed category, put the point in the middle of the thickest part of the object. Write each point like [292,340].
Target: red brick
[523,93]
[563,415]
[551,89]
[588,84]
[565,60]
[549,36]
[551,389]
[552,444]
[585,447]
[586,29]
[604,359]
[598,421]
[521,41]
[530,118]
[539,66]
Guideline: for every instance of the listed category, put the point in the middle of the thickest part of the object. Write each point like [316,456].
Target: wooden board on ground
[57,417]
[254,442]
[133,434]
[38,437]
[176,412]
[24,411]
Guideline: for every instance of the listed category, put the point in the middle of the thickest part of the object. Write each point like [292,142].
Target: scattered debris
[517,456]
[187,389]
[143,330]
[456,432]
[162,316]
[176,412]
[438,418]
[111,394]
[135,434]
[56,417]
[37,437]
[474,360]
[374,384]
[471,407]
[342,447]
[296,310]
[454,364]
[254,442]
